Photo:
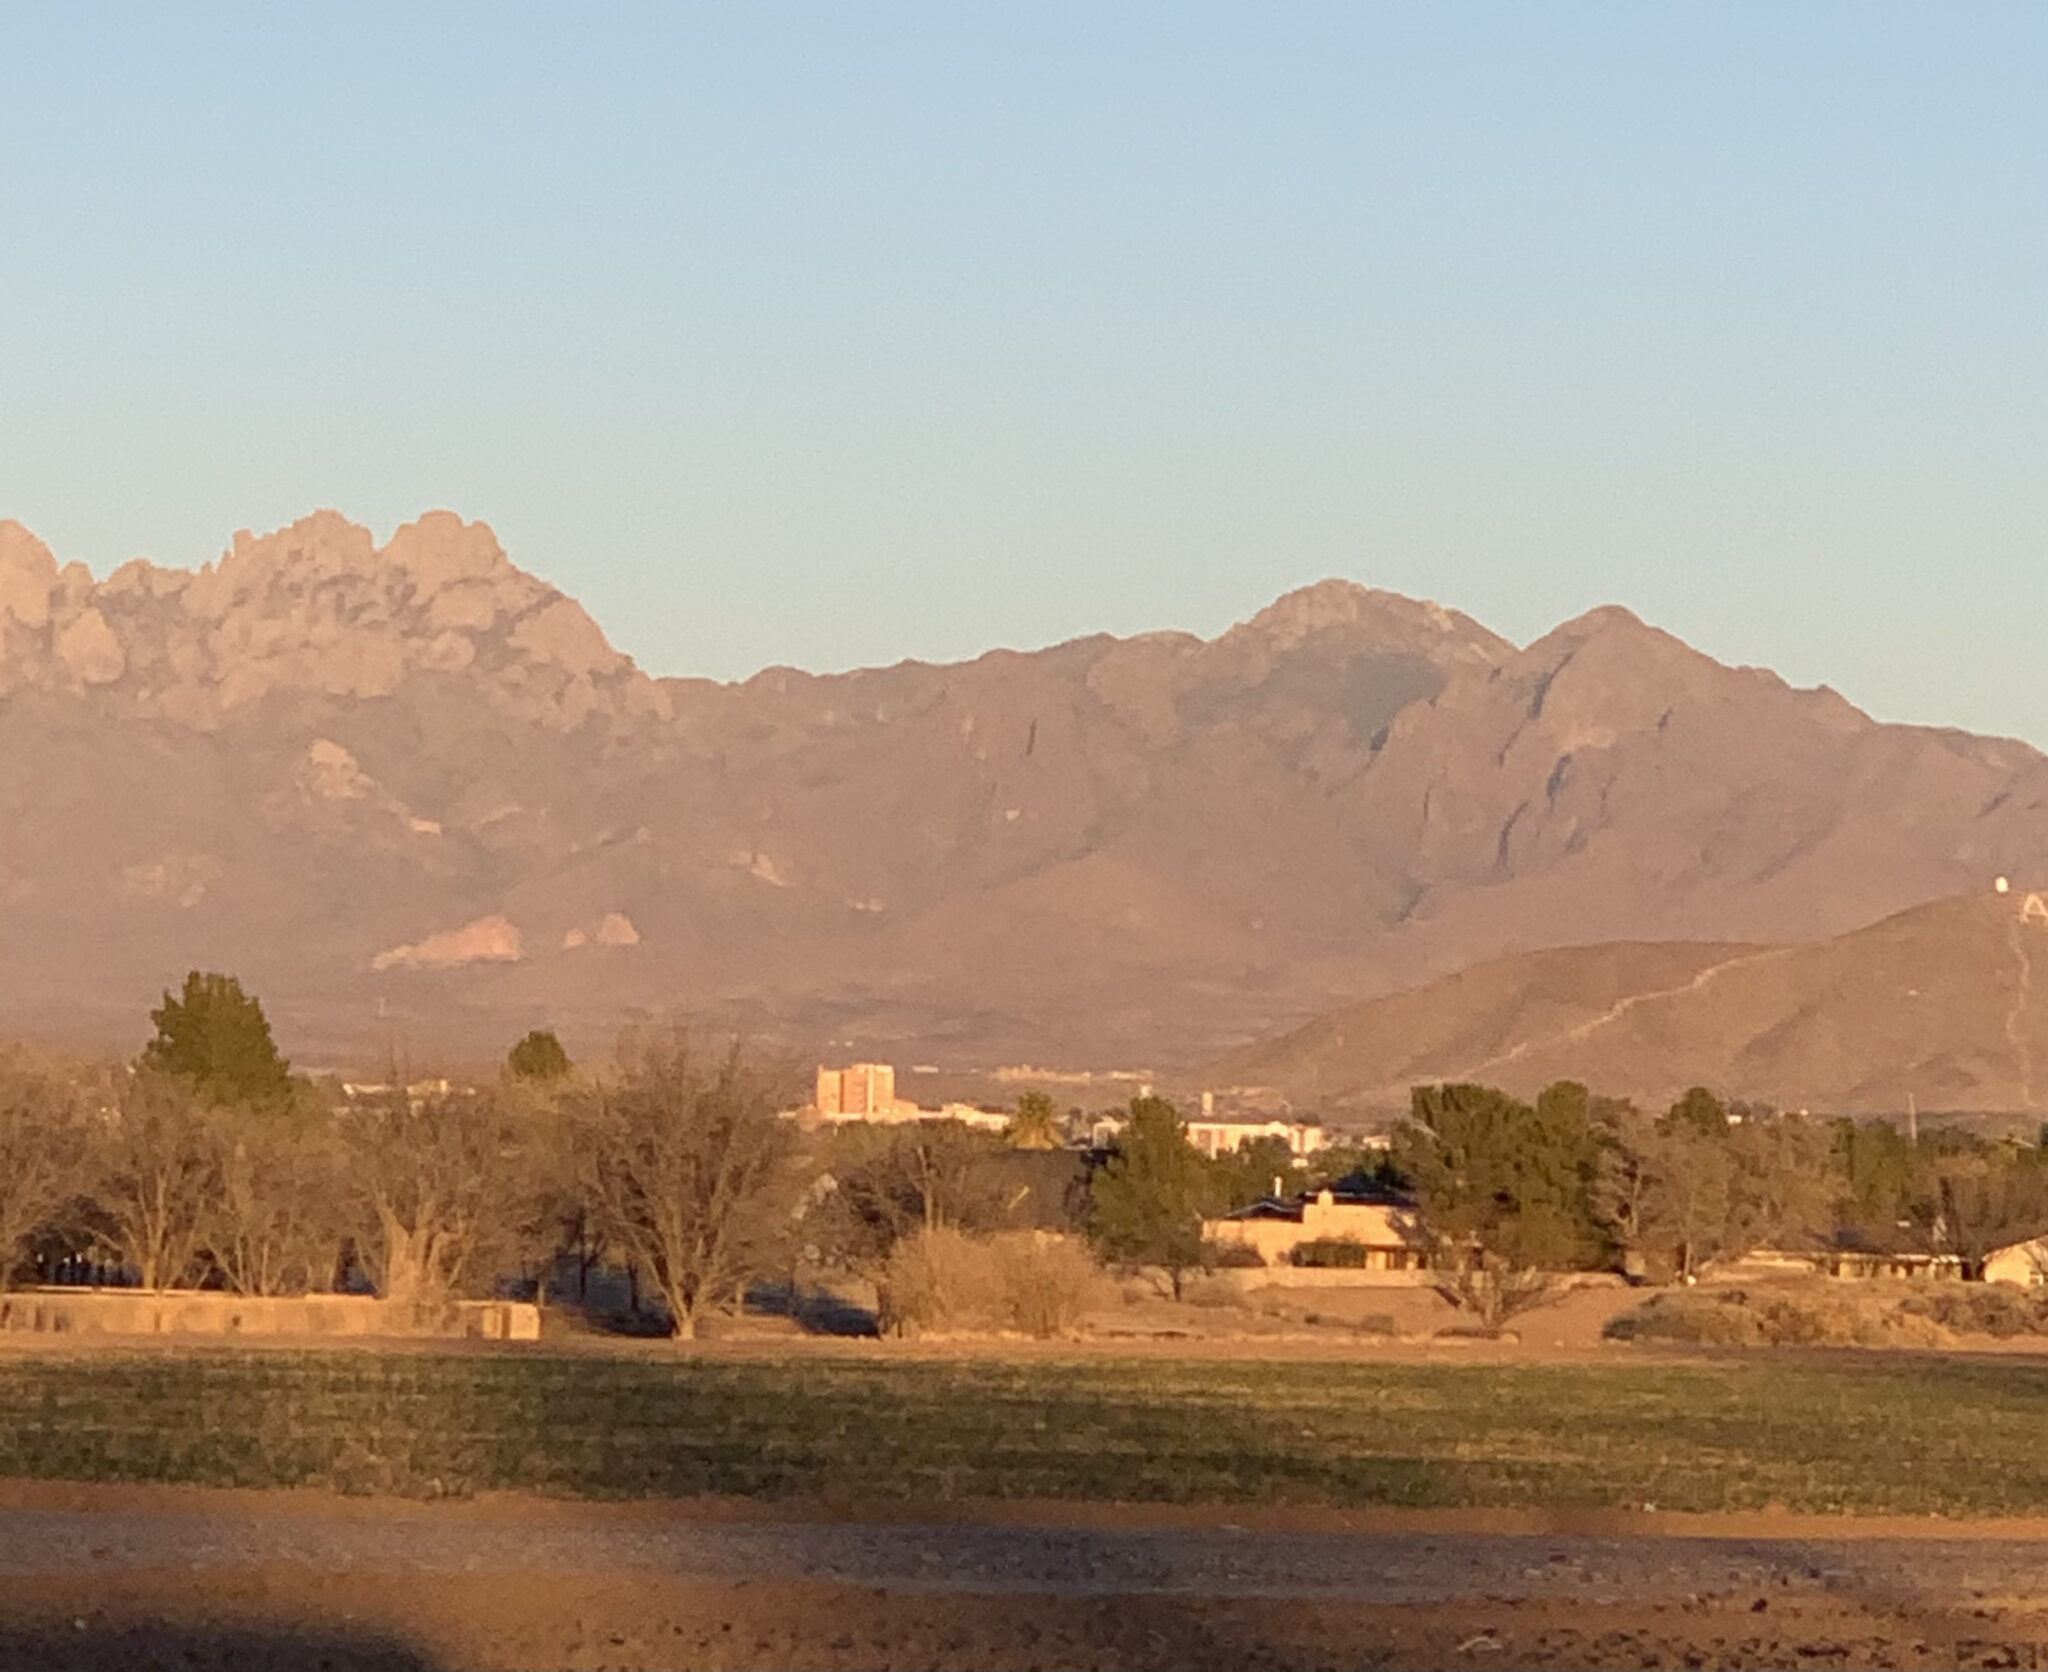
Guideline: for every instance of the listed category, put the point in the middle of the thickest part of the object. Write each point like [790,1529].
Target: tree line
[1506,1194]
[206,1162]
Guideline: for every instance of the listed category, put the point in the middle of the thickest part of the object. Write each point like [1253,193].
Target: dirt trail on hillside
[2015,1031]
[1579,1032]
[176,1576]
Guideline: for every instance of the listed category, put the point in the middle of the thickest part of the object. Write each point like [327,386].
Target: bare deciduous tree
[1661,1188]
[687,1167]
[157,1173]
[435,1191]
[41,1155]
[1494,1287]
[1783,1185]
[274,1222]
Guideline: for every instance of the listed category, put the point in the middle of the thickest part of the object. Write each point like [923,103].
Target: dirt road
[95,1577]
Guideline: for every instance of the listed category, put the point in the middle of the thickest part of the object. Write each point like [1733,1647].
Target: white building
[1215,1137]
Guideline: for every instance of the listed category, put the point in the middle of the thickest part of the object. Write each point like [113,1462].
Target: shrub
[1330,1253]
[946,1281]
[1997,1309]
[940,1280]
[1819,1314]
[1230,1256]
[1049,1282]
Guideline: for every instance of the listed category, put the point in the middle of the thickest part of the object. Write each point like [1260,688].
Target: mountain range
[412,795]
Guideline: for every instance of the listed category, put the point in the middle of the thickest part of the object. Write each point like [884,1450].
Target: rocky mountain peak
[28,575]
[1372,620]
[316,608]
[436,553]
[1610,660]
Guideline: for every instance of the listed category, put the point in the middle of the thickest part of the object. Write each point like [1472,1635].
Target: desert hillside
[1942,1007]
[412,795]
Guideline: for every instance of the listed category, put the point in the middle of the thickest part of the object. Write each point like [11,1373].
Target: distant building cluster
[866,1091]
[1216,1135]
[418,1093]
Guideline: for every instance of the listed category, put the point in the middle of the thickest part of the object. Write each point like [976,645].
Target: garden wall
[211,1312]
[1324,1277]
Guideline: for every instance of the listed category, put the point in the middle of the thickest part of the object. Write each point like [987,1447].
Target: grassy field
[1868,1434]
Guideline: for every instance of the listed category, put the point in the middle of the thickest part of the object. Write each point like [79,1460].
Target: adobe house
[2020,1262]
[1382,1225]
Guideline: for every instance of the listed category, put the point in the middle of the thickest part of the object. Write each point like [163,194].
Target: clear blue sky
[836,334]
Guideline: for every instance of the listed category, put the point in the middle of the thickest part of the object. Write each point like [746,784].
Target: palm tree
[1036,1123]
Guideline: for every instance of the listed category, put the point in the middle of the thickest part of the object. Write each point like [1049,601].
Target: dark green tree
[1988,1196]
[1147,1202]
[1699,1114]
[538,1056]
[215,1037]
[1504,1190]
[1251,1170]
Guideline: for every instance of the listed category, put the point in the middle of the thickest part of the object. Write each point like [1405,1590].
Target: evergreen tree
[1504,1190]
[539,1056]
[1699,1113]
[215,1037]
[1147,1202]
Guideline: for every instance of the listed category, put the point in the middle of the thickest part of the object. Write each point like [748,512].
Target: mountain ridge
[319,753]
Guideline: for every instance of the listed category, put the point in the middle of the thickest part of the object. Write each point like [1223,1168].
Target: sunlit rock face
[314,608]
[412,787]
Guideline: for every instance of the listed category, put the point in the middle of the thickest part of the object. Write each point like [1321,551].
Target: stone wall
[211,1312]
[1277,1276]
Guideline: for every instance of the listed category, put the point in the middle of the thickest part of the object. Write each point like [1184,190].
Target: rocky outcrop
[317,608]
[489,940]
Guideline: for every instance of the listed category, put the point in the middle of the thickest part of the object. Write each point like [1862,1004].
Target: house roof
[1289,1207]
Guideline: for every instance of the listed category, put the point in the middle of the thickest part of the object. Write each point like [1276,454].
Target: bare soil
[284,1619]
[104,1577]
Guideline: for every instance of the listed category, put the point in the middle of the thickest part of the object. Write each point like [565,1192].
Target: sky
[826,335]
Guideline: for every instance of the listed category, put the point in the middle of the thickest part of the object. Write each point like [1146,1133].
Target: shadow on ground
[815,1311]
[86,1646]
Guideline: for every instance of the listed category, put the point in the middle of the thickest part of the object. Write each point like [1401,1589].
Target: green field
[1865,1434]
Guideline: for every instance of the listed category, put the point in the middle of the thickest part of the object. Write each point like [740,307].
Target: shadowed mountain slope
[1945,1005]
[415,799]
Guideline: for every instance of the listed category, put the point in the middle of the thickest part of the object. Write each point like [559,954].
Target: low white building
[1214,1137]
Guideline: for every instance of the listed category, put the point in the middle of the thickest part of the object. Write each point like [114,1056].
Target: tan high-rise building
[863,1091]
